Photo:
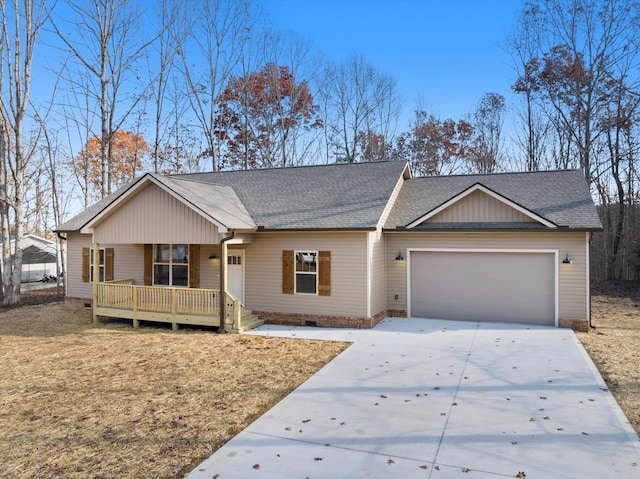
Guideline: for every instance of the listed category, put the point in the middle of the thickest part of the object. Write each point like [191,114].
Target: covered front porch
[159,253]
[173,305]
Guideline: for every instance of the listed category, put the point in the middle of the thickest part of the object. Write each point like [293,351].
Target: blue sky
[446,52]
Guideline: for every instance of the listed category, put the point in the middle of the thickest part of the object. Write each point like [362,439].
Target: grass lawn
[108,401]
[614,346]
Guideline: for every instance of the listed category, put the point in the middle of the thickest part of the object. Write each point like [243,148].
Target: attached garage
[512,286]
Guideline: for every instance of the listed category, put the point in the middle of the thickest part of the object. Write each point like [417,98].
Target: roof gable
[347,196]
[562,198]
[230,210]
[336,196]
[479,204]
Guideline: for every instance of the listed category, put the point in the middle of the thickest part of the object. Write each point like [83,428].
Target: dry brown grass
[108,401]
[614,346]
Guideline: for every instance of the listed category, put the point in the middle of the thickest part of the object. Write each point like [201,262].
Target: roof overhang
[142,182]
[488,191]
[262,229]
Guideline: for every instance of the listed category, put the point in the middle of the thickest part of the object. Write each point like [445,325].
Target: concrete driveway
[415,398]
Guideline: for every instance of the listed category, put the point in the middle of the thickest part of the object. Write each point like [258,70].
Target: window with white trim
[100,265]
[171,264]
[306,272]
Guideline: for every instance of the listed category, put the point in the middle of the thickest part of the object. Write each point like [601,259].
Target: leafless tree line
[579,81]
[205,85]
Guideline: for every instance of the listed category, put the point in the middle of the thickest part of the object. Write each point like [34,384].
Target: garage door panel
[482,286]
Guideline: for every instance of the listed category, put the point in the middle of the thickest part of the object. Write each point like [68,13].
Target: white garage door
[509,287]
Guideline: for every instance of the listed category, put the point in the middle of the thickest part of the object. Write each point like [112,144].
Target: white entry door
[235,274]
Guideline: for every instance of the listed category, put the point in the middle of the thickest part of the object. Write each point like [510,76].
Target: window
[306,273]
[105,264]
[171,264]
[100,265]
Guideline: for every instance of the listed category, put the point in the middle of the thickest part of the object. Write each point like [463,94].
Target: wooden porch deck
[201,307]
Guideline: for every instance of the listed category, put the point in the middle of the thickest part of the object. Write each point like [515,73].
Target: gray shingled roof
[341,196]
[81,219]
[338,196]
[561,197]
[218,201]
[353,196]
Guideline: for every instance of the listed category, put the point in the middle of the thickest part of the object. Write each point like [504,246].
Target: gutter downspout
[223,280]
[590,236]
[58,260]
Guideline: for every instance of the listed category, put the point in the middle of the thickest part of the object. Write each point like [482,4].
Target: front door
[235,274]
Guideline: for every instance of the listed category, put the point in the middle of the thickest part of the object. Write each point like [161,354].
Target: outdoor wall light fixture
[212,256]
[399,257]
[566,259]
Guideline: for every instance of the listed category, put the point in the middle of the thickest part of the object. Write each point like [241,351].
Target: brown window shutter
[194,265]
[287,272]
[324,273]
[86,253]
[108,264]
[148,264]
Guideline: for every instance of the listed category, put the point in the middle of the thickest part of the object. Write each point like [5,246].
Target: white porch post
[223,280]
[95,278]
[223,285]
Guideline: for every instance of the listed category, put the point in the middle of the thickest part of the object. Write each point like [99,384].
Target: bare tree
[295,53]
[579,47]
[211,53]
[532,126]
[357,99]
[56,196]
[108,44]
[583,66]
[174,24]
[16,152]
[485,154]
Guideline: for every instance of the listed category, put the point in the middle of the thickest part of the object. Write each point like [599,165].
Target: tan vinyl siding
[154,216]
[479,207]
[377,277]
[209,268]
[263,273]
[74,285]
[127,264]
[572,296]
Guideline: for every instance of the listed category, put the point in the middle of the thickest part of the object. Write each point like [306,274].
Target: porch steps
[249,321]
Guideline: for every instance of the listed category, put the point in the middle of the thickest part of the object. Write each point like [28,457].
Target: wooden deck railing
[122,298]
[233,312]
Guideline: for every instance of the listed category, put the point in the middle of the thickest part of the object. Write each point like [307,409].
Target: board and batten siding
[479,207]
[155,216]
[377,276]
[263,273]
[572,296]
